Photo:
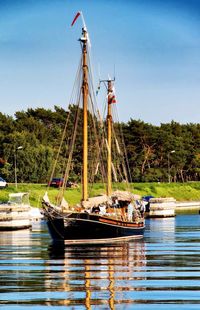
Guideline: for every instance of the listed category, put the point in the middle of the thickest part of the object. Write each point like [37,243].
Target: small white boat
[15,214]
[161,207]
[35,214]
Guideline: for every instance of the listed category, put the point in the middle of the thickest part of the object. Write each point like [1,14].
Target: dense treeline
[155,153]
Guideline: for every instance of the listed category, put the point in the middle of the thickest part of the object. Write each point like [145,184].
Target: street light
[15,156]
[168,164]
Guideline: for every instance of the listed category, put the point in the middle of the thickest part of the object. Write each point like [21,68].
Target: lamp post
[15,157]
[168,164]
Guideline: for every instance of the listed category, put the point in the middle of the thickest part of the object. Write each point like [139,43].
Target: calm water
[158,272]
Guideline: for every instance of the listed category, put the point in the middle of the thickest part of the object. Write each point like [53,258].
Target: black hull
[91,227]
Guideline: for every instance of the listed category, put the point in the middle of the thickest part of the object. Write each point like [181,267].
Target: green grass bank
[180,191]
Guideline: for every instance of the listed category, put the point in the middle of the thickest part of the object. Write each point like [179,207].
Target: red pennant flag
[75,18]
[111,98]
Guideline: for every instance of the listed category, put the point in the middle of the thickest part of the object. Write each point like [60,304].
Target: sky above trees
[153,45]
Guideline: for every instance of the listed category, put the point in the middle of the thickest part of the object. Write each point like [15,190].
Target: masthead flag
[75,18]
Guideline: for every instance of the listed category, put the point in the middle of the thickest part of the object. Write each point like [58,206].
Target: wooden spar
[85,116]
[109,138]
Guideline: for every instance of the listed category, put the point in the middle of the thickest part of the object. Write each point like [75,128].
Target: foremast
[84,40]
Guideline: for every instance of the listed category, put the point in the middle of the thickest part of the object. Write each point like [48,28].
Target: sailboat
[107,218]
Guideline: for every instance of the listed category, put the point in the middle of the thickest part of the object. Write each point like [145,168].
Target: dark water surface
[162,271]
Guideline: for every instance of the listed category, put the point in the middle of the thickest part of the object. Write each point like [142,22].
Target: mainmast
[109,137]
[83,40]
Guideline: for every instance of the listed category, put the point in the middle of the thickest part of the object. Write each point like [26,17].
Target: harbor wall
[187,205]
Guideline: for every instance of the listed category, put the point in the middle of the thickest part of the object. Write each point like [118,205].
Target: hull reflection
[100,274]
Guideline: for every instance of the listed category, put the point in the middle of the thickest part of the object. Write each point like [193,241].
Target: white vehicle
[3,183]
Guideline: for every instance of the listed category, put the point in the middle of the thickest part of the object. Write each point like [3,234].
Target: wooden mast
[109,139]
[85,116]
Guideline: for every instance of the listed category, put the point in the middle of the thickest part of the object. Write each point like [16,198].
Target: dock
[187,205]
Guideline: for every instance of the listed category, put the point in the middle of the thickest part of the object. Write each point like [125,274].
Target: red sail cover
[75,18]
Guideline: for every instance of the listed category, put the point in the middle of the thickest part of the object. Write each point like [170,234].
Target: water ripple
[159,271]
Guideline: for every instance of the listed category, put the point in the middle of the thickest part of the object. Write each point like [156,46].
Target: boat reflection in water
[17,238]
[162,229]
[97,275]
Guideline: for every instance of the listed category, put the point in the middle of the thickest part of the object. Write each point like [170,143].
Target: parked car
[58,182]
[3,183]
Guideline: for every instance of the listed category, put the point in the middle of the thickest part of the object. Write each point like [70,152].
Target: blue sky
[153,44]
